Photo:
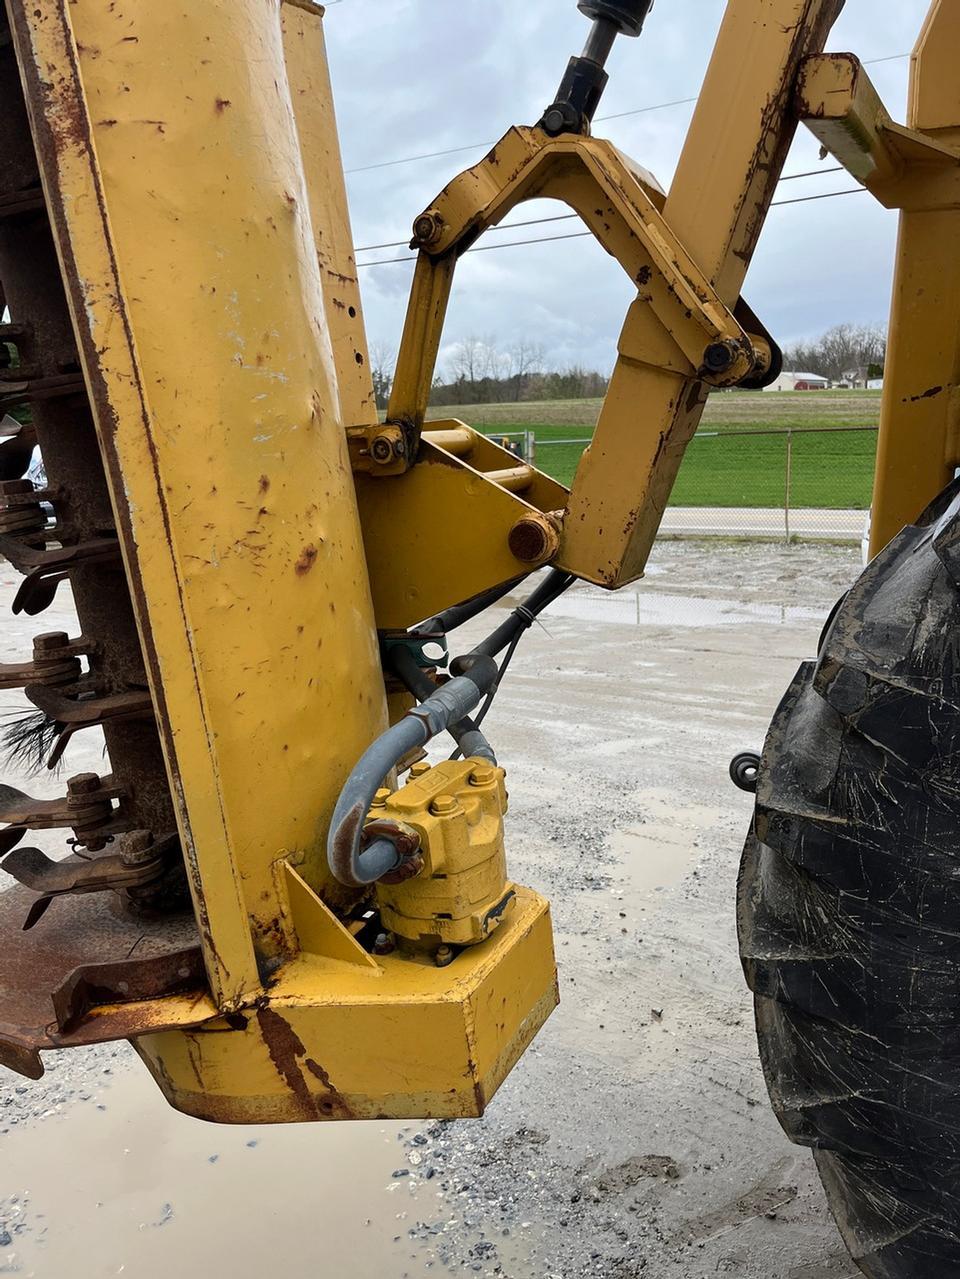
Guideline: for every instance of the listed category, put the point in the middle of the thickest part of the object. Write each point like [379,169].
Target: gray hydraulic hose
[470,741]
[448,705]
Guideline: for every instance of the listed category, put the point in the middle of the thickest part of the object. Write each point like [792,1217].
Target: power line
[826,195]
[566,217]
[620,115]
[576,235]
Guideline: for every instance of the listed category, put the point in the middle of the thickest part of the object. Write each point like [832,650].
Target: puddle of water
[659,852]
[139,1190]
[655,856]
[657,608]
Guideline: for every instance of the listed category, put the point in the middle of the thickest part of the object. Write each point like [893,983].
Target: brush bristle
[27,740]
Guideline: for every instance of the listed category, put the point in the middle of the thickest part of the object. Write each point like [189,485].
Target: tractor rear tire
[849,906]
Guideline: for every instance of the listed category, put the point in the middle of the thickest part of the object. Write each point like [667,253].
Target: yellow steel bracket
[687,332]
[903,168]
[915,169]
[620,204]
[463,485]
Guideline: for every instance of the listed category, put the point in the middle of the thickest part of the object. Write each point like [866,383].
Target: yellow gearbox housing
[462,894]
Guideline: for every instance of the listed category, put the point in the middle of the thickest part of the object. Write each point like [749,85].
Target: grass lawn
[828,470]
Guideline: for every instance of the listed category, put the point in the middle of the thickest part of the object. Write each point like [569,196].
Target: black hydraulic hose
[520,619]
[459,614]
[445,706]
[470,741]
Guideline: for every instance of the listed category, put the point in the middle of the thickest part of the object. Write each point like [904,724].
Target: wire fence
[794,484]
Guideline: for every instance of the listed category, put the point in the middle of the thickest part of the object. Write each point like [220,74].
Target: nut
[381,797]
[381,450]
[428,228]
[136,848]
[444,956]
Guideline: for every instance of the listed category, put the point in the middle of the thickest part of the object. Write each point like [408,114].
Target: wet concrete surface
[635,1138]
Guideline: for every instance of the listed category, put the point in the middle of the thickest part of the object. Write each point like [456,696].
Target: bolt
[720,357]
[136,848]
[399,447]
[381,797]
[483,776]
[381,450]
[49,642]
[443,806]
[554,121]
[428,228]
[83,784]
[443,957]
[421,769]
[384,945]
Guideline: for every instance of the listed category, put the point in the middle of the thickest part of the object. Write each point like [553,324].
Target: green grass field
[828,469]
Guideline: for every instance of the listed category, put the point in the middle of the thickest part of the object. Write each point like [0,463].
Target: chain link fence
[801,483]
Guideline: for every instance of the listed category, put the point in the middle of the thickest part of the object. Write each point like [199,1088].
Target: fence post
[789,481]
[530,447]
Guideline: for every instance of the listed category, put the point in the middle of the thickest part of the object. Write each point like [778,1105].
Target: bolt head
[50,641]
[421,769]
[444,956]
[428,228]
[554,121]
[444,805]
[483,776]
[719,357]
[381,797]
[136,848]
[83,784]
[381,450]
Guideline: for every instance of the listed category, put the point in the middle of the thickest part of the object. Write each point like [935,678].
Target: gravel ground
[634,1139]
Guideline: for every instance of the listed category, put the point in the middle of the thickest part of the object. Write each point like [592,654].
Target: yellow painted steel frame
[182,209]
[688,253]
[915,169]
[196,201]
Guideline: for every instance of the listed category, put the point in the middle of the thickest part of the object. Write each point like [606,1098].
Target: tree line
[480,371]
[846,351]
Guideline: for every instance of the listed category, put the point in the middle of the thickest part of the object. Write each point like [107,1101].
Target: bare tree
[845,351]
[477,367]
[382,362]
[466,361]
[523,359]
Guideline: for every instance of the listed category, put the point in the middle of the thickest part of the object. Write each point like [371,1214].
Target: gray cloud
[416,76]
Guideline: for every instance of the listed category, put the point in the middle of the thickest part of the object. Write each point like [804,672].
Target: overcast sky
[416,76]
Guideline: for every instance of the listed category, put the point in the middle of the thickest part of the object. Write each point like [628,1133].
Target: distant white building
[800,382]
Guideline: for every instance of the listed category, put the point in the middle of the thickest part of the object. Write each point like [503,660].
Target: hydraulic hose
[447,705]
[521,619]
[465,733]
[458,614]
